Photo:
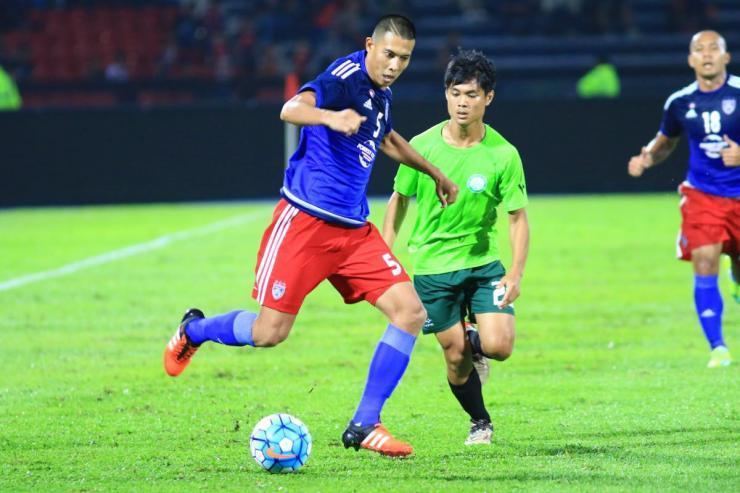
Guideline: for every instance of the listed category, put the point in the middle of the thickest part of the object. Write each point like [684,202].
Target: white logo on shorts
[278,290]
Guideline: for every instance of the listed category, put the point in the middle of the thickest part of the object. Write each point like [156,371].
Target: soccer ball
[280,443]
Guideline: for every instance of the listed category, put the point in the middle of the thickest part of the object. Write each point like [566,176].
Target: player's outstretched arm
[395,213]
[301,110]
[654,153]
[519,238]
[397,148]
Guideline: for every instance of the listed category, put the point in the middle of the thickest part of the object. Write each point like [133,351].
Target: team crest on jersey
[477,183]
[367,153]
[728,106]
[692,111]
[278,290]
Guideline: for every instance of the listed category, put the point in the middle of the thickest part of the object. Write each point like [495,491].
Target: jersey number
[377,128]
[390,262]
[712,122]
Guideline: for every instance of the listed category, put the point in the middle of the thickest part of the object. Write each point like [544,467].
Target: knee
[412,317]
[500,353]
[499,349]
[705,267]
[455,360]
[705,263]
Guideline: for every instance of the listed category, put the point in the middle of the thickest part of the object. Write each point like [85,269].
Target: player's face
[387,58]
[466,103]
[708,56]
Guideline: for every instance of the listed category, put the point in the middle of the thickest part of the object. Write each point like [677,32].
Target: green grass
[607,389]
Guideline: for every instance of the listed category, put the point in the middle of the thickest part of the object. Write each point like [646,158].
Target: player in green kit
[456,259]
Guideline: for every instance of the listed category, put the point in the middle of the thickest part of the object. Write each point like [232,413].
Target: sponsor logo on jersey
[278,290]
[692,111]
[477,183]
[728,106]
[368,104]
[367,153]
[712,146]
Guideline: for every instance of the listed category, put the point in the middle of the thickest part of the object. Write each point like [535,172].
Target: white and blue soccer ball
[280,443]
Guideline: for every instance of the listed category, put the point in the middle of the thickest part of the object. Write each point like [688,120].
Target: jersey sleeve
[670,125]
[406,181]
[513,186]
[331,91]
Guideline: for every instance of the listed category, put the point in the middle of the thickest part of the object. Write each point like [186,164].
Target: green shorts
[450,296]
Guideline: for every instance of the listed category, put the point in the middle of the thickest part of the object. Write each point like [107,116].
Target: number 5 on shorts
[390,262]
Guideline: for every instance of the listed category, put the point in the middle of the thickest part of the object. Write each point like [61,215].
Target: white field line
[129,251]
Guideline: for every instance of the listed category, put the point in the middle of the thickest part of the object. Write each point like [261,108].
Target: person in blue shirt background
[707,112]
[320,230]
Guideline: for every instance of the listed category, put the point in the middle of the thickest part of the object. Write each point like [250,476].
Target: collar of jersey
[364,69]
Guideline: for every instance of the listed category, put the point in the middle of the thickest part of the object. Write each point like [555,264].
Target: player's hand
[638,164]
[346,121]
[731,153]
[446,190]
[511,283]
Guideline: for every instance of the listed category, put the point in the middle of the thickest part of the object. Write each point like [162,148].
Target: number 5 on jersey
[377,123]
[391,262]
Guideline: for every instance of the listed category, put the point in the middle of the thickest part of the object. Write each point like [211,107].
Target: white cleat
[480,433]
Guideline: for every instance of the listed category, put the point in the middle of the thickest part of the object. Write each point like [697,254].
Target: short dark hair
[469,65]
[396,24]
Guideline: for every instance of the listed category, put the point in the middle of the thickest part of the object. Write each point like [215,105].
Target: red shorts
[298,251]
[707,220]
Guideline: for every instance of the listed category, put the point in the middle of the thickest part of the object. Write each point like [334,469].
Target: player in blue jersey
[320,230]
[707,111]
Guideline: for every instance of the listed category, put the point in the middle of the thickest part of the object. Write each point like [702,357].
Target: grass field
[607,389]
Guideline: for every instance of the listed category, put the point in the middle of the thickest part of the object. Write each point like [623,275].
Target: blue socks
[709,306]
[233,329]
[389,362]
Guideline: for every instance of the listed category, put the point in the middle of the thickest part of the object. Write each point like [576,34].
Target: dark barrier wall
[114,156]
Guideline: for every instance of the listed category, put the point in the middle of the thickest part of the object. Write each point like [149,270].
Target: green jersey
[462,235]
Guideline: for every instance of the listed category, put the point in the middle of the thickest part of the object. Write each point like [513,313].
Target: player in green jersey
[457,267]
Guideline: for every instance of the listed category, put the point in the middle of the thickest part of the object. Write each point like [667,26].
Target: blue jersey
[706,117]
[327,176]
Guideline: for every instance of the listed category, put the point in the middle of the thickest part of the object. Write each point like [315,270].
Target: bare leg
[271,327]
[457,353]
[496,332]
[403,307]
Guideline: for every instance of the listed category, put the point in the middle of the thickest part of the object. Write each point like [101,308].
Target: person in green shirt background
[10,98]
[457,266]
[602,81]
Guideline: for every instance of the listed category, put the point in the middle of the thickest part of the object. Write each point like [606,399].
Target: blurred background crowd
[161,52]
